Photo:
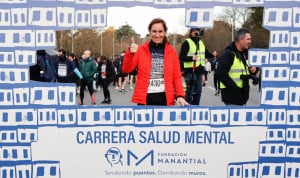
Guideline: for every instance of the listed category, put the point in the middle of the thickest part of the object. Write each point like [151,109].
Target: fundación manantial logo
[114,157]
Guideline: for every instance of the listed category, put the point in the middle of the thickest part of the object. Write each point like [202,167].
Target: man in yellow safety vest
[192,57]
[234,71]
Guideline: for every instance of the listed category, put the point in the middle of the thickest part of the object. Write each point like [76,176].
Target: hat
[194,29]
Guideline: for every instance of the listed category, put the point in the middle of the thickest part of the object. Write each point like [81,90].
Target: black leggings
[105,84]
[83,84]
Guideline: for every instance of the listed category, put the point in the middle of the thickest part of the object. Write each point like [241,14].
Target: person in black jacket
[106,75]
[192,58]
[234,71]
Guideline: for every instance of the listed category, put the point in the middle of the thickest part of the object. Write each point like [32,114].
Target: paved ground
[207,99]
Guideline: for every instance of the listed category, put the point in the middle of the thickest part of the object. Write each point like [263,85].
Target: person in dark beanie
[192,56]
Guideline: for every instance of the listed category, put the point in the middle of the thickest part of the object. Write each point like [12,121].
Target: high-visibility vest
[237,69]
[192,51]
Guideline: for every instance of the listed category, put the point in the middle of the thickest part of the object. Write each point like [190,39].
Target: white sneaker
[131,88]
[99,89]
[117,88]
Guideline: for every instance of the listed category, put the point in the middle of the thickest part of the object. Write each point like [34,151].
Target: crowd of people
[158,75]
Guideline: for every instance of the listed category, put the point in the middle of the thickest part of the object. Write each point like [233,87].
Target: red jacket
[142,59]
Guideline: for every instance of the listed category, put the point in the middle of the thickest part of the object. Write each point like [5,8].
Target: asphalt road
[208,97]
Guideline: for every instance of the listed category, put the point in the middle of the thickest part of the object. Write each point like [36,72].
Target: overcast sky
[140,17]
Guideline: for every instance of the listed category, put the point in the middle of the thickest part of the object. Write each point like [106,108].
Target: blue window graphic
[277,170]
[271,134]
[8,95]
[272,16]
[248,116]
[297,172]
[183,116]
[273,149]
[1,57]
[86,17]
[16,38]
[3,137]
[107,116]
[11,76]
[4,115]
[254,58]
[23,136]
[83,116]
[12,136]
[172,116]
[20,174]
[291,151]
[15,153]
[61,17]
[4,173]
[238,171]
[279,134]
[289,172]
[9,57]
[15,18]
[79,17]
[266,170]
[102,18]
[3,77]
[280,149]
[231,171]
[18,116]
[236,116]
[253,172]
[246,173]
[51,94]
[62,118]
[71,97]
[194,16]
[30,116]
[139,117]
[259,116]
[285,16]
[263,149]
[281,95]
[23,18]
[160,116]
[25,153]
[71,117]
[70,18]
[32,136]
[295,75]
[52,171]
[40,171]
[269,95]
[5,153]
[27,38]
[36,16]
[96,116]
[63,96]
[206,16]
[1,96]
[38,95]
[18,98]
[2,37]
[291,118]
[23,76]
[298,151]
[295,39]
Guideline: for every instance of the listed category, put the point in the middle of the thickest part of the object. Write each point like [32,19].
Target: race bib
[156,85]
[62,70]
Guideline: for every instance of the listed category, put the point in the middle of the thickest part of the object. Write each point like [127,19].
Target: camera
[199,34]
[246,78]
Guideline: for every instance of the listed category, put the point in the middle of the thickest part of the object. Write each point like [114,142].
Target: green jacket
[88,69]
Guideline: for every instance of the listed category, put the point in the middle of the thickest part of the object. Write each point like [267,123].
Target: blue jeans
[193,87]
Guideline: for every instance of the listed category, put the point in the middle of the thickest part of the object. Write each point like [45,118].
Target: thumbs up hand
[133,46]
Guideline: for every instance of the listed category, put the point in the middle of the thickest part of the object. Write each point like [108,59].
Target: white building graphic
[26,106]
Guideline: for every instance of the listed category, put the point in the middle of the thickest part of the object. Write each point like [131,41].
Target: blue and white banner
[44,134]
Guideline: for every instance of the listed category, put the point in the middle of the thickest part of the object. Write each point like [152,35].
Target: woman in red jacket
[159,77]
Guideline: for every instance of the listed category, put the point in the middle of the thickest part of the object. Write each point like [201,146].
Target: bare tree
[235,16]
